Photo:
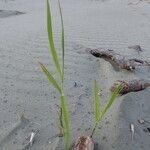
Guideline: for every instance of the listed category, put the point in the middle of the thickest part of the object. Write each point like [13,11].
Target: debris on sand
[120,61]
[148,129]
[132,131]
[141,121]
[84,143]
[32,137]
[136,47]
[137,2]
[131,86]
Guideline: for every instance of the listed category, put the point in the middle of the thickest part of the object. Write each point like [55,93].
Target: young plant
[98,110]
[64,113]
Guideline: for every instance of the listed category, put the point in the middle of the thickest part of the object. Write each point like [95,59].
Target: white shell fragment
[132,131]
[32,138]
[141,121]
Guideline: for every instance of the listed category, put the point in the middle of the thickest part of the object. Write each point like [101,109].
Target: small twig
[32,137]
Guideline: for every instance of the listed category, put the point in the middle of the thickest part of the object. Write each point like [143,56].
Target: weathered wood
[84,143]
[120,61]
[131,86]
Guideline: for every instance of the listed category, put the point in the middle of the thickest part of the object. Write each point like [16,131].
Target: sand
[24,90]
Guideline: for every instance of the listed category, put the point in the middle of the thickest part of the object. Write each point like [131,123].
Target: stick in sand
[131,85]
[119,60]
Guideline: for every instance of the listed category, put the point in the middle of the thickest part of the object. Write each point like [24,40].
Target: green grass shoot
[65,118]
[64,113]
[97,105]
[62,42]
[51,41]
[98,110]
[50,77]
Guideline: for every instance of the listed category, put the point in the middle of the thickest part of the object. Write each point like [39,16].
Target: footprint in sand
[16,135]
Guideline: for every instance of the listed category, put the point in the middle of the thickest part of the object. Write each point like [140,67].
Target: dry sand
[114,24]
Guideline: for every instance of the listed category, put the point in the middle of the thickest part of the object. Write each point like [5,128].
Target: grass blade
[62,41]
[113,97]
[98,113]
[65,118]
[50,77]
[51,41]
[97,105]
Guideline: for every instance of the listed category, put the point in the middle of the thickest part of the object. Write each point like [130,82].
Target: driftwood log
[131,86]
[120,61]
[84,143]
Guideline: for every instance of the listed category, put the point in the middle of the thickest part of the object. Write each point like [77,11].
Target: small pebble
[148,129]
[75,84]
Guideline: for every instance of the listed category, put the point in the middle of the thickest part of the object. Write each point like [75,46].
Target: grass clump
[64,113]
[99,112]
[59,86]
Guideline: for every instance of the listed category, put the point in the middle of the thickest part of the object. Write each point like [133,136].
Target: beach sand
[25,91]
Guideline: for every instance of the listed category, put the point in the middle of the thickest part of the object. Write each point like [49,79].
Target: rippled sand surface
[24,90]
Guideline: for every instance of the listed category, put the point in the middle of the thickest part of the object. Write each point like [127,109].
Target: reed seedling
[64,113]
[99,112]
[59,86]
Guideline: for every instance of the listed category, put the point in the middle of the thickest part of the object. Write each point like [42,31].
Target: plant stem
[61,121]
[96,123]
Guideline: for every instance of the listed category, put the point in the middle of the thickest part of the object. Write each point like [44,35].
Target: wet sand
[24,90]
